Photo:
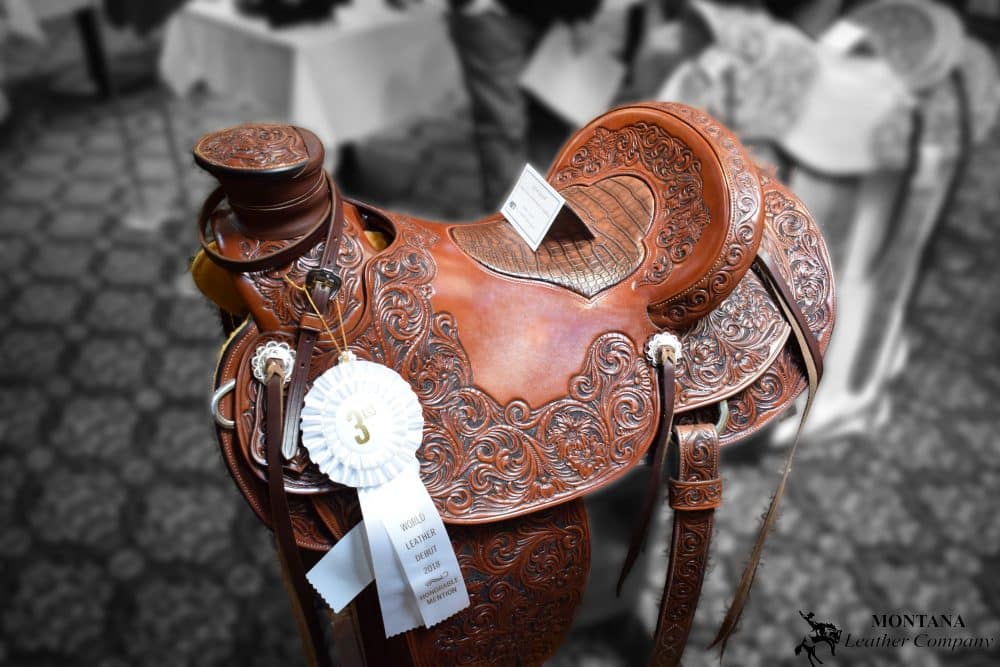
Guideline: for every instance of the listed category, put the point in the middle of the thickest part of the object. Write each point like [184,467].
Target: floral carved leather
[530,367]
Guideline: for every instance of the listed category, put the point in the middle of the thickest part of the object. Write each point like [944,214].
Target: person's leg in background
[493,48]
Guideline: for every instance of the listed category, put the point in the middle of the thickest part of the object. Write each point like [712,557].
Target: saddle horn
[272,176]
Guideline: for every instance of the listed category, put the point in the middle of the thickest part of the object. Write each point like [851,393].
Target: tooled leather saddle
[687,308]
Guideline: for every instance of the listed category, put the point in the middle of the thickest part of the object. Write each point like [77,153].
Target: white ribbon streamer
[423,552]
[345,570]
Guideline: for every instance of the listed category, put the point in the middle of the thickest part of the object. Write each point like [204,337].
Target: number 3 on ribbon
[359,424]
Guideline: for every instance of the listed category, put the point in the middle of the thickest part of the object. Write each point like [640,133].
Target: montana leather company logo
[820,635]
[933,632]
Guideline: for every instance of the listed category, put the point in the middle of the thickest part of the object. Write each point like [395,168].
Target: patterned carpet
[124,542]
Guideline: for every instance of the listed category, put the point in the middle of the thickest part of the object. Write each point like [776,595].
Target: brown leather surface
[525,578]
[292,570]
[305,236]
[722,355]
[310,532]
[695,492]
[531,369]
[537,566]
[272,176]
[794,243]
[255,148]
[277,305]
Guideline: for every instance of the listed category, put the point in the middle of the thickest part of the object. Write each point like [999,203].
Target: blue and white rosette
[362,425]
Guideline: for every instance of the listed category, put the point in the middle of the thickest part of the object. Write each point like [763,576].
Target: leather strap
[358,634]
[345,628]
[904,190]
[280,257]
[292,569]
[807,343]
[282,436]
[309,331]
[957,178]
[695,492]
[659,455]
[812,359]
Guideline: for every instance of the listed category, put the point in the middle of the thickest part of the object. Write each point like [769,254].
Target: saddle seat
[597,243]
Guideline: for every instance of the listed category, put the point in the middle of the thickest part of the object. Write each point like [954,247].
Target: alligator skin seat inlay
[615,214]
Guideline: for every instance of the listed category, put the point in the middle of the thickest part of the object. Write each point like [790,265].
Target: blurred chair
[870,124]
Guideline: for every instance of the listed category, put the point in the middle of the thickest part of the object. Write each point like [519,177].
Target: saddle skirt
[531,367]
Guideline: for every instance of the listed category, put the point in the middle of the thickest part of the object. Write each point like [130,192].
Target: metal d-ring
[720,425]
[224,388]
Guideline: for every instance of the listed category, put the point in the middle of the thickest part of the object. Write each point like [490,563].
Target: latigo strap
[697,491]
[299,591]
[321,292]
[283,416]
[658,456]
[812,359]
[284,255]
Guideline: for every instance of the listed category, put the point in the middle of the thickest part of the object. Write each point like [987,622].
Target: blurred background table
[367,71]
[23,18]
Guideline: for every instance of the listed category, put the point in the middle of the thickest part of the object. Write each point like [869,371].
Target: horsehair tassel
[814,370]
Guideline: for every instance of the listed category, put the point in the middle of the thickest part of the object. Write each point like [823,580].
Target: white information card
[532,206]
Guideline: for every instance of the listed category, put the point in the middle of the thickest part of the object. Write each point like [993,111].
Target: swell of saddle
[530,367]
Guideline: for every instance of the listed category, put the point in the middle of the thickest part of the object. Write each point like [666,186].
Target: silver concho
[272,349]
[659,340]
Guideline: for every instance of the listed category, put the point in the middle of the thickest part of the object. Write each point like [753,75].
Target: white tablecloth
[369,70]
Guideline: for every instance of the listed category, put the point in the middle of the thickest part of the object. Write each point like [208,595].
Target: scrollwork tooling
[254,147]
[742,237]
[515,435]
[482,458]
[536,565]
[288,303]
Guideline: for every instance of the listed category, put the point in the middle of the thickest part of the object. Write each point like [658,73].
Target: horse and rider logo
[821,633]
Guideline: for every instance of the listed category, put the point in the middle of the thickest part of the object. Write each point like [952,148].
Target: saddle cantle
[533,369]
